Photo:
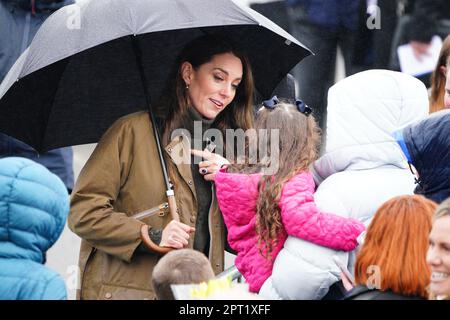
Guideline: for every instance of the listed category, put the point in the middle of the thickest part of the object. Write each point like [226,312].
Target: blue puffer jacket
[428,143]
[34,204]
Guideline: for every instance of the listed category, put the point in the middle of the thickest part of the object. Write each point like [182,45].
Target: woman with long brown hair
[391,264]
[267,199]
[439,76]
[212,84]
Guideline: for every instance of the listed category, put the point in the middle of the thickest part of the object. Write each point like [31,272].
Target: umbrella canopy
[80,72]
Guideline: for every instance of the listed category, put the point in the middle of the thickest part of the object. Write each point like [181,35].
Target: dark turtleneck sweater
[203,188]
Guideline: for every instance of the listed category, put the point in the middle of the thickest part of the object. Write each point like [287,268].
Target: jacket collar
[178,150]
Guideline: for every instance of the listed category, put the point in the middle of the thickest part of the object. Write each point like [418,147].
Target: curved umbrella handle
[144,229]
[150,244]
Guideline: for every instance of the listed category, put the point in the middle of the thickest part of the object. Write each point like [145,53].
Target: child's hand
[346,282]
[176,235]
[213,162]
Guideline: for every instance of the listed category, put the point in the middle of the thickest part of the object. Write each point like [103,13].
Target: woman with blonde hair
[438,78]
[391,264]
[438,255]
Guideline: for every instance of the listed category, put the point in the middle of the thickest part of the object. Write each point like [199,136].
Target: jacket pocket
[111,292]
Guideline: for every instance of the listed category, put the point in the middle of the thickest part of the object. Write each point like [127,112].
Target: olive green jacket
[123,177]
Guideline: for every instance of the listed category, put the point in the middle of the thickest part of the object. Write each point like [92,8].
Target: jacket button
[217,265]
[192,219]
[108,295]
[169,150]
[190,182]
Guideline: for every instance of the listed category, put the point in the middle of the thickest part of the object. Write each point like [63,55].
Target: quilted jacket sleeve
[236,195]
[301,217]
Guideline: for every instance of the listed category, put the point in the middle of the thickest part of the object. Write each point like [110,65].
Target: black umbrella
[82,72]
[72,83]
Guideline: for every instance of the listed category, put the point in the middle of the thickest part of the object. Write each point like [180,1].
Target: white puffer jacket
[362,167]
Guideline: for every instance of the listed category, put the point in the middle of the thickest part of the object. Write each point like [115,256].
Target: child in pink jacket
[264,202]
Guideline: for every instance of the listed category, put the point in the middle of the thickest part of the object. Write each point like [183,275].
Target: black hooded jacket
[428,143]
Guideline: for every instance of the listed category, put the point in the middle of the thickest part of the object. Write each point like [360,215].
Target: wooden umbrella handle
[150,244]
[175,216]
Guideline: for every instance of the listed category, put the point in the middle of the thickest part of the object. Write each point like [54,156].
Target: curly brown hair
[298,141]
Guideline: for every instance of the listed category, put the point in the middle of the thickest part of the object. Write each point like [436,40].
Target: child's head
[286,139]
[184,266]
[34,205]
[395,246]
[298,137]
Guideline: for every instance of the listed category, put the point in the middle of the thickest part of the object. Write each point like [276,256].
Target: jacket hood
[51,5]
[34,204]
[363,112]
[428,143]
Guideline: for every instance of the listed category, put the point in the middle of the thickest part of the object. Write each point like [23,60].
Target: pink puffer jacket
[237,195]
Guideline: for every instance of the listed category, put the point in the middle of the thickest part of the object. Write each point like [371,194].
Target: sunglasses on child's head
[301,106]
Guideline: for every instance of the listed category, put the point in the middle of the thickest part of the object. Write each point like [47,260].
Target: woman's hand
[176,235]
[213,162]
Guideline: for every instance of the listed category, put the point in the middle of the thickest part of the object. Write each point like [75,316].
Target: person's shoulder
[301,180]
[51,285]
[364,293]
[135,117]
[247,183]
[130,121]
[27,270]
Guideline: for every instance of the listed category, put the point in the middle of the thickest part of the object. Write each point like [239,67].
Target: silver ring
[203,171]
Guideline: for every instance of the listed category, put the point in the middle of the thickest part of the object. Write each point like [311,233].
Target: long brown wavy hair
[299,137]
[438,78]
[397,242]
[173,106]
